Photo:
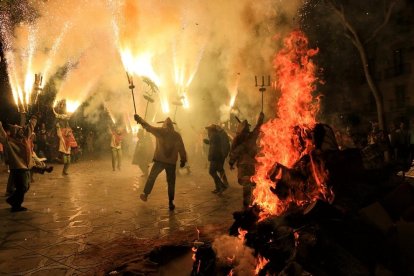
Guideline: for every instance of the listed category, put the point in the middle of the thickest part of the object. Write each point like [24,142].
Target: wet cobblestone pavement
[68,216]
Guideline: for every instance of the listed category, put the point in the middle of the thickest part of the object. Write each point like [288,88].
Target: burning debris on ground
[358,233]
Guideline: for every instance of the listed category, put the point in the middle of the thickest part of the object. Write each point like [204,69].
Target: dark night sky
[8,111]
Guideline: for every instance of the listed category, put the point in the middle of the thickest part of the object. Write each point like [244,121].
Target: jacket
[168,144]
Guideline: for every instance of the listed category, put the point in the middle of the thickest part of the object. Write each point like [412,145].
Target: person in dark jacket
[216,157]
[242,154]
[169,144]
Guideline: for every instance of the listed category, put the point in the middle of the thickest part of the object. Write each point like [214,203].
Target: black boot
[171,205]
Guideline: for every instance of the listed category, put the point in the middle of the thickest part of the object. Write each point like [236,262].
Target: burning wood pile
[363,227]
[316,209]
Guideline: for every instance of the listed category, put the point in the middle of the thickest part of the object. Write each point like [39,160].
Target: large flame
[296,109]
[140,65]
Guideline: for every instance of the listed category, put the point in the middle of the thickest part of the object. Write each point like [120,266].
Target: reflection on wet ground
[69,216]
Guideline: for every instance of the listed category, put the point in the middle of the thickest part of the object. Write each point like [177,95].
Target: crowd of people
[380,147]
[26,147]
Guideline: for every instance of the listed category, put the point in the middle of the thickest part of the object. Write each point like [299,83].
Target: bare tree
[361,45]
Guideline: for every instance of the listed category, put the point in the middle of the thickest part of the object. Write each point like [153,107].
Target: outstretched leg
[156,169]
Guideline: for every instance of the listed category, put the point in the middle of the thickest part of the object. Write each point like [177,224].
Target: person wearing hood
[216,157]
[20,161]
[242,153]
[169,144]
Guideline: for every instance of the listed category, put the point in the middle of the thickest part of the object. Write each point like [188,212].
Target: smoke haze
[203,52]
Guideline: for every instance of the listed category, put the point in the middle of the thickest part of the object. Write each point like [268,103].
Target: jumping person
[169,144]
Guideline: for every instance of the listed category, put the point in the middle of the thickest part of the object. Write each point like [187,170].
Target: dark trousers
[21,181]
[216,170]
[156,169]
[244,173]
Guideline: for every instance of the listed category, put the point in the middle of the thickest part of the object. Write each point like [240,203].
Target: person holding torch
[169,144]
[20,161]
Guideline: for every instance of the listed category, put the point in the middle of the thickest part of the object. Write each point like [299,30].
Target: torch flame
[72,105]
[232,101]
[28,86]
[140,65]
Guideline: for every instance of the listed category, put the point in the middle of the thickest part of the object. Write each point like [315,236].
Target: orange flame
[194,249]
[198,233]
[296,236]
[296,116]
[261,262]
[242,234]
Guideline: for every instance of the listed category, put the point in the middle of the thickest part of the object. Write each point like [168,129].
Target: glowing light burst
[165,106]
[233,89]
[140,65]
[53,51]
[72,105]
[232,100]
[28,86]
[22,88]
[295,74]
[185,67]
[9,57]
[29,78]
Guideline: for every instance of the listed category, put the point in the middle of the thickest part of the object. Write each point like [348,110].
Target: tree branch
[387,15]
[339,11]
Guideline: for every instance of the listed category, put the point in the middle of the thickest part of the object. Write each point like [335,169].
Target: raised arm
[156,131]
[60,116]
[259,122]
[29,128]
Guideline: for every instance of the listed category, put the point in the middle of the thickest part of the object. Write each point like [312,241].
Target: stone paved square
[70,217]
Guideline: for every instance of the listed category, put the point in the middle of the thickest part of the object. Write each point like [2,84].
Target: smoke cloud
[200,54]
[231,249]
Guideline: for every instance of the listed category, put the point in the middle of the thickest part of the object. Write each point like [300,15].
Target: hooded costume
[242,153]
[217,153]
